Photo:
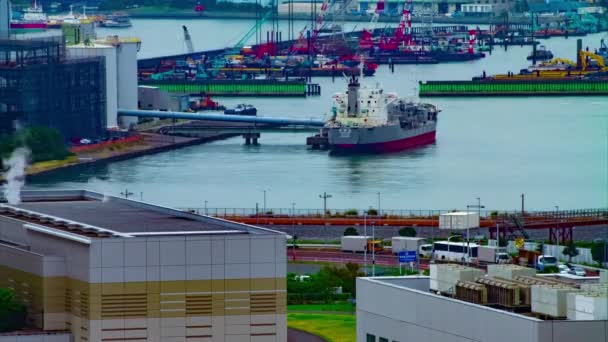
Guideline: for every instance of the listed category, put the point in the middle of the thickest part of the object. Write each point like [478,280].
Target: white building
[402,309]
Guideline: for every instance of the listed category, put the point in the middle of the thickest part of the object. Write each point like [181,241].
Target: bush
[351,212]
[44,144]
[350,231]
[426,272]
[407,231]
[550,269]
[12,313]
[372,212]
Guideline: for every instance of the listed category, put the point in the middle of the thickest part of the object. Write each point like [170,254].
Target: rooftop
[92,214]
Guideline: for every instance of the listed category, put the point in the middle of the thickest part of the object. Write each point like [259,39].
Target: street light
[206,207]
[557,226]
[449,238]
[479,207]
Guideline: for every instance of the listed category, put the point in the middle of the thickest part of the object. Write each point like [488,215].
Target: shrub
[351,212]
[598,251]
[350,231]
[407,231]
[12,313]
[372,212]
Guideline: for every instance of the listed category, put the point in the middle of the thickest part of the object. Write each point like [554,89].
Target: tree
[12,313]
[598,252]
[502,242]
[407,231]
[44,144]
[570,250]
[350,231]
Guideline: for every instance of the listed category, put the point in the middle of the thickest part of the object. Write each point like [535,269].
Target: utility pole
[522,205]
[293,228]
[365,234]
[557,227]
[379,212]
[264,202]
[325,196]
[206,207]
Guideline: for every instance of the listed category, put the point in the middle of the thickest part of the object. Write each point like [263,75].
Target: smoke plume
[15,176]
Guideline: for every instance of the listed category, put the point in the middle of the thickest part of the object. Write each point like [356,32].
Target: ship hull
[382,139]
[28,27]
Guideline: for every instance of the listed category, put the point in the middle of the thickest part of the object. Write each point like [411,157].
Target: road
[339,257]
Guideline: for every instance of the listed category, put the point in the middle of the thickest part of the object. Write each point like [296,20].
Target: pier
[541,87]
[292,88]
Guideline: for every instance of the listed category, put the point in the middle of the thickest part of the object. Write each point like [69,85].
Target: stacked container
[551,300]
[510,271]
[445,276]
[587,306]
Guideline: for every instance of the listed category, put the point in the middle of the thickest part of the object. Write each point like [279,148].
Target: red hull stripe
[389,146]
[28,25]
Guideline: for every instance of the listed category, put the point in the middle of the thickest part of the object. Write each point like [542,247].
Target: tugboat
[540,54]
[368,120]
[242,109]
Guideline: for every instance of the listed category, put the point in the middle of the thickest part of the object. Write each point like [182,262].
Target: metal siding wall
[587,331]
[127,80]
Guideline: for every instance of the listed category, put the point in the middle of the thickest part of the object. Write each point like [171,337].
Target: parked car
[563,269]
[579,271]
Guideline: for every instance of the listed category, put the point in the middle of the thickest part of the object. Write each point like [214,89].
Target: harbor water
[553,149]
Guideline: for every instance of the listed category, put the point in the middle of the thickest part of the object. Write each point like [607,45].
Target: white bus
[454,251]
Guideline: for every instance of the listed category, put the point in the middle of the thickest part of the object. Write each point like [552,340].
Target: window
[382,339]
[370,338]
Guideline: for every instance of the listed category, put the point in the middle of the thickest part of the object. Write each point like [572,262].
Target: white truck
[354,243]
[493,254]
[404,243]
[544,261]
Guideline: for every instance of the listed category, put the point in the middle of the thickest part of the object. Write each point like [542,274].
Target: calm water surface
[553,149]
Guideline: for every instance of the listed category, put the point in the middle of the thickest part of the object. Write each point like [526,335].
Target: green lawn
[337,307]
[333,328]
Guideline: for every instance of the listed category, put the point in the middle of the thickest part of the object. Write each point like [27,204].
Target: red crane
[403,32]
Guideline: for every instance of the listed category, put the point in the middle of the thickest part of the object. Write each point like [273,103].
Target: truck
[493,255]
[404,243]
[360,244]
[544,261]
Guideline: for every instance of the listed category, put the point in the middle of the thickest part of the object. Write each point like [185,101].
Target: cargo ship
[33,20]
[367,120]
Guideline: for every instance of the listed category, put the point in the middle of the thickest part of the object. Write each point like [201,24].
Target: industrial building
[40,86]
[120,55]
[461,304]
[112,269]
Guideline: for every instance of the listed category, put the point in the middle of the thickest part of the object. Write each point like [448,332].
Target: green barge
[544,87]
[237,87]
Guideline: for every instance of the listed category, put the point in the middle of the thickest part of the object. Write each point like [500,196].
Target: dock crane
[188,40]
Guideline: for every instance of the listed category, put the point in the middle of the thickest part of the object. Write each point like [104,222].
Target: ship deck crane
[585,55]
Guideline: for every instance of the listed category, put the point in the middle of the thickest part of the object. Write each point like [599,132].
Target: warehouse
[403,309]
[109,269]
